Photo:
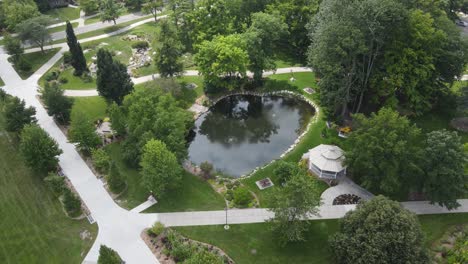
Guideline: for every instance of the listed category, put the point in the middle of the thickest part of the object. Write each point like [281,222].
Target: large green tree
[383,152]
[83,132]
[113,81]
[445,159]
[110,10]
[38,149]
[17,115]
[78,60]
[262,39]
[224,56]
[347,39]
[169,51]
[89,6]
[379,231]
[115,179]
[58,105]
[34,31]
[297,199]
[153,114]
[160,169]
[15,12]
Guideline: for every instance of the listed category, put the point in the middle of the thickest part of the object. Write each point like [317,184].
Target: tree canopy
[110,10]
[113,81]
[78,59]
[108,256]
[169,51]
[58,105]
[39,150]
[379,231]
[83,132]
[160,169]
[34,31]
[383,152]
[17,115]
[296,199]
[445,179]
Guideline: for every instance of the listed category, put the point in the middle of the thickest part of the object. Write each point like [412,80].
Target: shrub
[52,76]
[23,65]
[100,159]
[142,44]
[229,195]
[67,57]
[55,183]
[108,256]
[242,197]
[115,179]
[63,80]
[207,169]
[71,202]
[86,77]
[157,228]
[229,185]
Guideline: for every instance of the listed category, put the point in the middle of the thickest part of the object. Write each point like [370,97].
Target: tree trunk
[115,22]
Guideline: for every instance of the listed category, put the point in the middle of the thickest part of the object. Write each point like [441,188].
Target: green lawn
[63,14]
[194,194]
[36,59]
[61,28]
[34,228]
[94,106]
[255,243]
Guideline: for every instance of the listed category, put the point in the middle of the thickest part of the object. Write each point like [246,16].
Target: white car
[461,23]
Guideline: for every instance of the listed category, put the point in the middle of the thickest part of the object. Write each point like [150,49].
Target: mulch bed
[346,199]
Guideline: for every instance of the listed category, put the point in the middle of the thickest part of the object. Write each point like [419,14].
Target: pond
[242,132]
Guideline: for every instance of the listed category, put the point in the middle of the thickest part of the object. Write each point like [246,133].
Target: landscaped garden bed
[169,246]
[346,199]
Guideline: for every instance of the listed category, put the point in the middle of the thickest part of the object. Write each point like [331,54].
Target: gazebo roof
[327,158]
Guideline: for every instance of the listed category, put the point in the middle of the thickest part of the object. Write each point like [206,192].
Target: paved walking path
[147,204]
[120,229]
[143,79]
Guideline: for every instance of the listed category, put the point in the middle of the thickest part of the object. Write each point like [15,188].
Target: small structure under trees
[326,161]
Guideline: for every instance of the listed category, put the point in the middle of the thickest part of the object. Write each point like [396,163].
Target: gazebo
[326,161]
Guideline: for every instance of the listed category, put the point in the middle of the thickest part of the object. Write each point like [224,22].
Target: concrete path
[143,79]
[147,204]
[344,186]
[120,229]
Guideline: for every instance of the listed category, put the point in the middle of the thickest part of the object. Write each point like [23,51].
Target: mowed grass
[63,14]
[94,107]
[33,225]
[193,195]
[62,28]
[256,243]
[36,59]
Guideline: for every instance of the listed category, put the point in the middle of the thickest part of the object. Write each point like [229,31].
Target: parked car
[461,23]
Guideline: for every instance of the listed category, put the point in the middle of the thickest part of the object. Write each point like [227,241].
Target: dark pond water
[243,132]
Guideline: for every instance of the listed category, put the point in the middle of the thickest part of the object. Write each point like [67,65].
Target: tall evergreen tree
[115,179]
[113,81]
[17,115]
[78,59]
[169,51]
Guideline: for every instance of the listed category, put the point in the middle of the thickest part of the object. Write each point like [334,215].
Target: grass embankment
[34,227]
[63,14]
[36,60]
[255,243]
[193,195]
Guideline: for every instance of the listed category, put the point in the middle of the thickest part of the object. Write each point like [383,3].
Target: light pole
[226,226]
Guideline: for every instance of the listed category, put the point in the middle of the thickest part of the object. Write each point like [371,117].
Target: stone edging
[280,93]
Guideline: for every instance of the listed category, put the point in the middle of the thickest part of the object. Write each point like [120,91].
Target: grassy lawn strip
[36,59]
[240,241]
[61,28]
[194,194]
[64,13]
[34,226]
[94,106]
[2,83]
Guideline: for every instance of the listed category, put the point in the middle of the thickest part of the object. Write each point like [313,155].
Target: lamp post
[226,226]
